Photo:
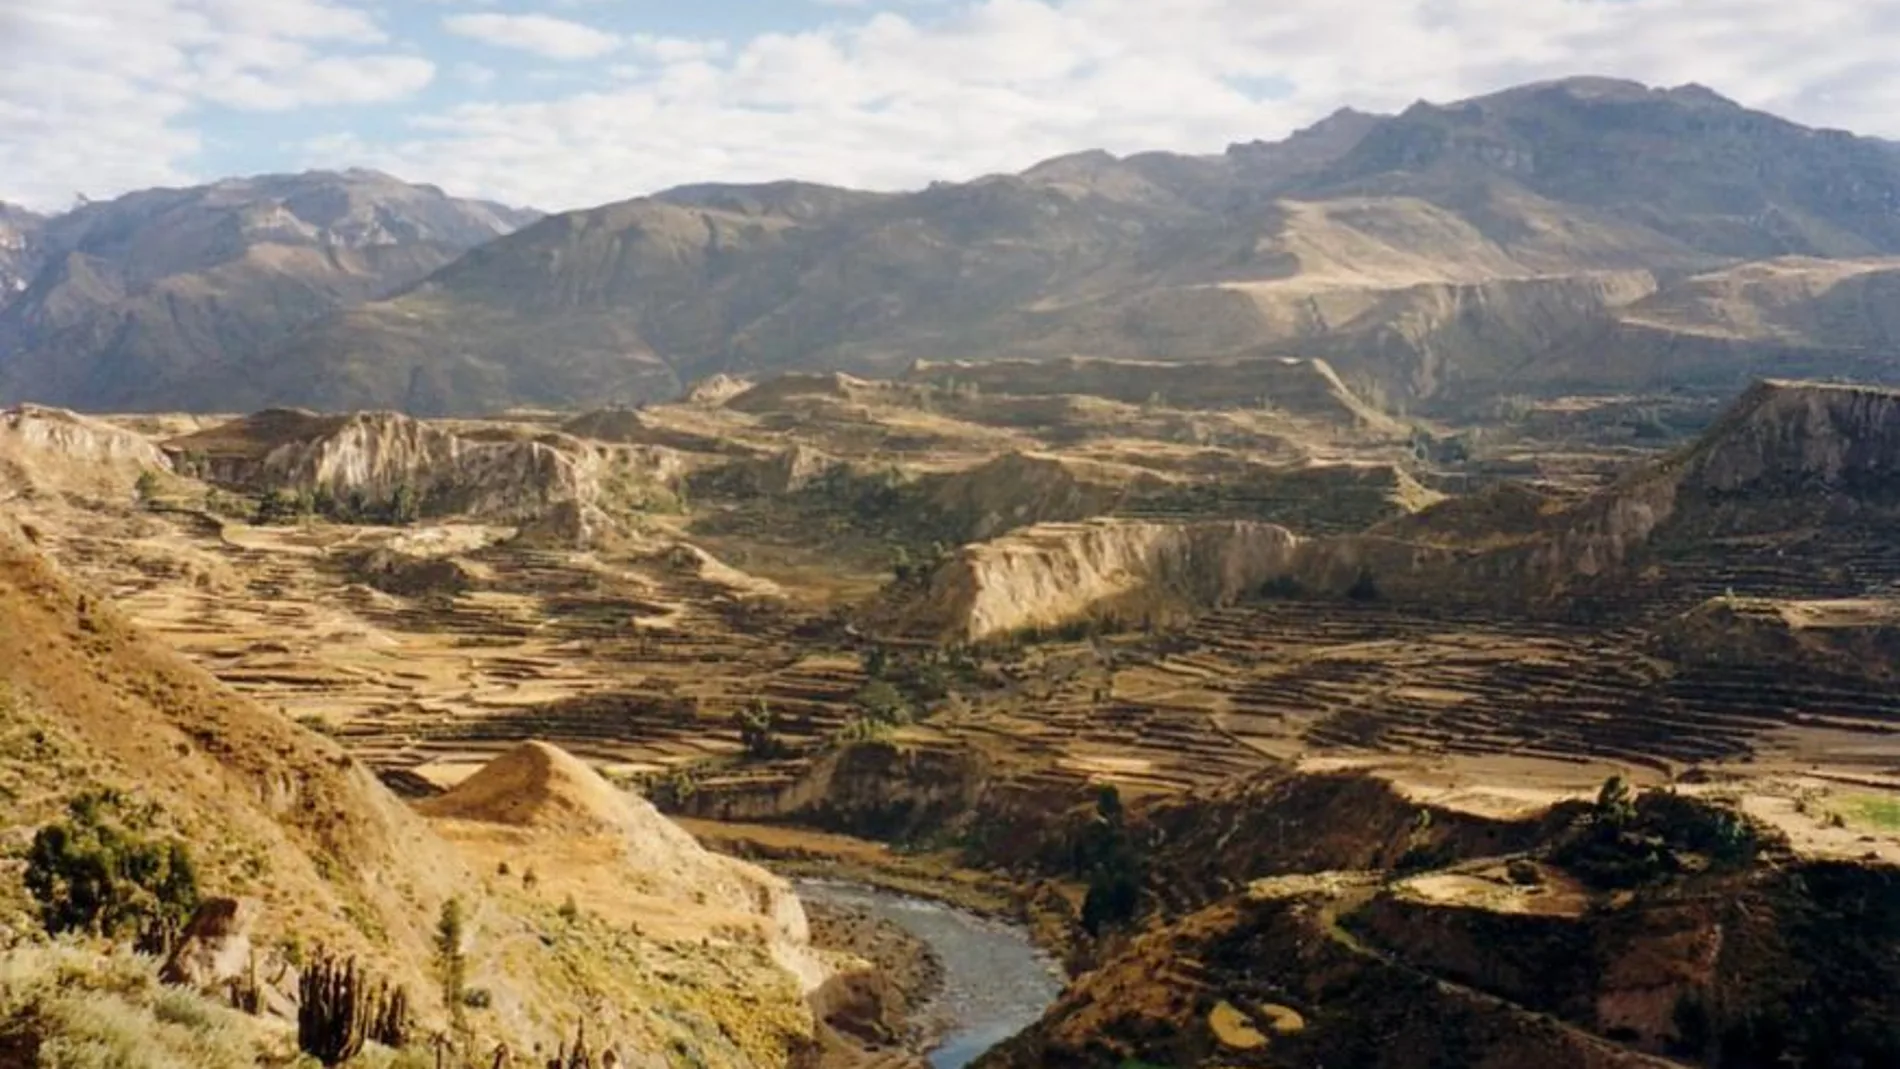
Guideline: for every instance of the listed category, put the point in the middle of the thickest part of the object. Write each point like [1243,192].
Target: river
[995,981]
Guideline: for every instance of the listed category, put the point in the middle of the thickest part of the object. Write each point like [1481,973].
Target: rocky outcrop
[1309,389]
[874,789]
[383,460]
[1859,637]
[215,947]
[545,791]
[1049,575]
[1021,489]
[785,472]
[60,435]
[1783,457]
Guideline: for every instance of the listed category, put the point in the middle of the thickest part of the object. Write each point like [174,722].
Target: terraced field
[641,667]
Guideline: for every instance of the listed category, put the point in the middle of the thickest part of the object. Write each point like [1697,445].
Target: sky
[560,104]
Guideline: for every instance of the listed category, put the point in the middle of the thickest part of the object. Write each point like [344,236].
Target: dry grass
[80,1008]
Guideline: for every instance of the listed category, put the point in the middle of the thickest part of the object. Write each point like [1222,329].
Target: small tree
[405,505]
[277,506]
[450,960]
[1106,854]
[883,703]
[758,731]
[1615,806]
[90,873]
[147,487]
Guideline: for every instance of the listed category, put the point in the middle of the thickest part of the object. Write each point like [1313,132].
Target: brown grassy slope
[270,809]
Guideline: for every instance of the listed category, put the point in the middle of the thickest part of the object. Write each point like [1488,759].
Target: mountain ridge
[117,298]
[1437,252]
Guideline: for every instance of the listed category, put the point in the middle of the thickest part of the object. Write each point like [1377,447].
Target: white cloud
[100,97]
[474,74]
[888,93]
[543,35]
[884,99]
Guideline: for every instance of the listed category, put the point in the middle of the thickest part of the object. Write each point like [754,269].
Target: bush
[90,873]
[758,731]
[1107,856]
[80,1008]
[883,703]
[1625,841]
[451,961]
[1364,588]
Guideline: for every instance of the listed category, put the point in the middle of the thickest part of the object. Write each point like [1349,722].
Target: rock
[1054,574]
[1234,1029]
[216,946]
[1283,1020]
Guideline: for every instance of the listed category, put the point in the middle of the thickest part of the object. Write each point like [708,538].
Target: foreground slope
[336,863]
[1431,252]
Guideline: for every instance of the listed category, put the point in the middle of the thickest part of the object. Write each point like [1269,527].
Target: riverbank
[990,980]
[1049,910]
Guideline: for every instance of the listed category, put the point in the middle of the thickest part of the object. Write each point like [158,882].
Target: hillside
[1786,495]
[114,709]
[1435,254]
[327,859]
[120,301]
[1789,317]
[385,463]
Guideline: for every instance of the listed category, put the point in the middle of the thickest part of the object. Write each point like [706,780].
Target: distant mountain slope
[1684,162]
[19,242]
[1436,253]
[1789,316]
[128,296]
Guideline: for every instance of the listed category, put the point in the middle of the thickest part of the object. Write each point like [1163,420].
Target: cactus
[339,1008]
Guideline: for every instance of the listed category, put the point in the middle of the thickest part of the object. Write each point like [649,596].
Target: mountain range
[1581,234]
[115,302]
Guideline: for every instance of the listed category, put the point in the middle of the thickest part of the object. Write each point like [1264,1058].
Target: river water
[995,981]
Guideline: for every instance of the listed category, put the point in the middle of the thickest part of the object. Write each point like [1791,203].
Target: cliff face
[1793,437]
[1052,574]
[1019,489]
[57,433]
[375,457]
[1786,456]
[1859,637]
[1309,389]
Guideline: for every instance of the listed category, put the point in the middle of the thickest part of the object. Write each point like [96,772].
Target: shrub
[1364,588]
[451,961]
[90,873]
[1108,857]
[79,1008]
[883,703]
[1283,587]
[758,731]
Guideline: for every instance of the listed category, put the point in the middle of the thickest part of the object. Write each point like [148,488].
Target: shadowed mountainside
[119,301]
[1431,252]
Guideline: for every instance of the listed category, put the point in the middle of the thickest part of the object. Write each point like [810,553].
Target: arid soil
[747,628]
